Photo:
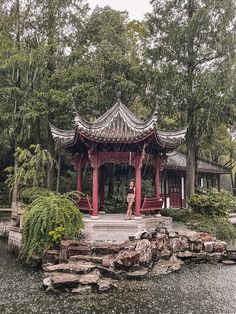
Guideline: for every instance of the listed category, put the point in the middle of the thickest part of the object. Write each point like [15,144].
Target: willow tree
[189,47]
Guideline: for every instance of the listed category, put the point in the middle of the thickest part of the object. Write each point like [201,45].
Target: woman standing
[130,199]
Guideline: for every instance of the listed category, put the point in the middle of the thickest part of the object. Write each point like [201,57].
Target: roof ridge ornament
[118,96]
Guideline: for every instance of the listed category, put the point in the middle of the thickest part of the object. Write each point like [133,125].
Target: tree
[190,46]
[31,169]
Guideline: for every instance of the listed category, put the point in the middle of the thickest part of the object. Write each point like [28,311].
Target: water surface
[195,289]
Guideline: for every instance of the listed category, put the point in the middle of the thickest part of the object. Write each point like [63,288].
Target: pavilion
[118,137]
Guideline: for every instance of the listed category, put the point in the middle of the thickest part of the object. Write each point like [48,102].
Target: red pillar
[157,180]
[102,187]
[95,186]
[138,186]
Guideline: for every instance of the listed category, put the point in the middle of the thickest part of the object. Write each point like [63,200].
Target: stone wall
[14,239]
[146,254]
[5,224]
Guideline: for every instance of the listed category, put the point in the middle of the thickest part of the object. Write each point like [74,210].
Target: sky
[136,8]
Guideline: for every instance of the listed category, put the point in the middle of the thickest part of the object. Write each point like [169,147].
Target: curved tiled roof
[177,161]
[118,125]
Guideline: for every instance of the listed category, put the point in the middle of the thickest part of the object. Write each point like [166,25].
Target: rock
[79,250]
[220,246]
[173,234]
[175,244]
[228,263]
[110,273]
[64,254]
[105,285]
[107,262]
[82,290]
[192,236]
[214,257]
[161,241]
[51,256]
[164,254]
[87,258]
[126,259]
[196,246]
[205,236]
[138,274]
[164,267]
[47,282]
[88,279]
[74,268]
[108,248]
[231,255]
[209,246]
[142,234]
[185,254]
[201,256]
[183,245]
[144,247]
[63,280]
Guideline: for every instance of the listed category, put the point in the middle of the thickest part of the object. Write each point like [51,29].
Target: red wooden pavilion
[118,137]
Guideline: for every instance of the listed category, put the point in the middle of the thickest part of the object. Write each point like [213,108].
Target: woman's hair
[131,181]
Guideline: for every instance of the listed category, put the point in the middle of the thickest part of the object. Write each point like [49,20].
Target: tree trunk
[58,170]
[14,189]
[50,169]
[190,173]
[191,137]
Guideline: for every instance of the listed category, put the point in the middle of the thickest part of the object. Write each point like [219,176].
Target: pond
[195,289]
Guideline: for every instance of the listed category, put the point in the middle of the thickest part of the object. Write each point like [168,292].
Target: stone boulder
[184,244]
[209,246]
[74,268]
[82,290]
[138,274]
[63,280]
[161,241]
[104,285]
[88,279]
[126,259]
[175,244]
[144,247]
[163,267]
[220,246]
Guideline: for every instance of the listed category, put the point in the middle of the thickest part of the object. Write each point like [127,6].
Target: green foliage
[218,226]
[31,168]
[176,214]
[116,204]
[48,219]
[27,195]
[57,234]
[212,203]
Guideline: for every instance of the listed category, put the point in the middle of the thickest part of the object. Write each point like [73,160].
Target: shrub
[29,194]
[48,219]
[116,204]
[218,226]
[212,203]
[176,214]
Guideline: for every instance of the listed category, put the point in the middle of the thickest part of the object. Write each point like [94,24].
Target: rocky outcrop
[95,267]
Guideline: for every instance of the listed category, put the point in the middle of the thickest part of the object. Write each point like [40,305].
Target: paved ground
[232,218]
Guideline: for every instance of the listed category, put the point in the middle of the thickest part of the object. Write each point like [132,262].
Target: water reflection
[196,289]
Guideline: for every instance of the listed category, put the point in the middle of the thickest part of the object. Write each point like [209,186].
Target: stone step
[62,280]
[71,268]
[86,259]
